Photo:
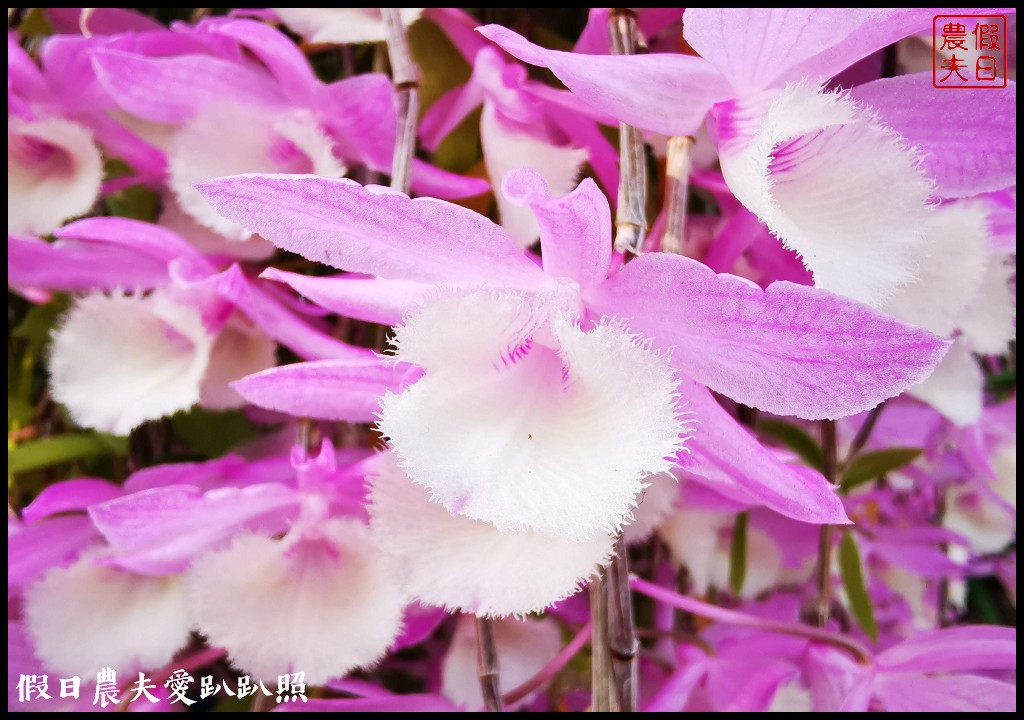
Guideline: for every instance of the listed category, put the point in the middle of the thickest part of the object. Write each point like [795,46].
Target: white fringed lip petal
[836,186]
[119,360]
[526,421]
[322,604]
[462,564]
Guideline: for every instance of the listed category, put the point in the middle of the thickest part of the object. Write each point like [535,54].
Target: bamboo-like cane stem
[487,664]
[677,185]
[622,630]
[823,605]
[405,75]
[631,216]
[602,675]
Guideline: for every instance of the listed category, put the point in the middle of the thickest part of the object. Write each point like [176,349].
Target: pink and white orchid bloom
[843,179]
[120,618]
[184,334]
[344,605]
[524,123]
[268,114]
[54,169]
[790,349]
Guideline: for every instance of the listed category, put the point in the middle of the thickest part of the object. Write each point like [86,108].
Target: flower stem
[614,646]
[622,630]
[487,664]
[406,78]
[631,216]
[677,178]
[863,434]
[549,671]
[83,21]
[741,619]
[823,604]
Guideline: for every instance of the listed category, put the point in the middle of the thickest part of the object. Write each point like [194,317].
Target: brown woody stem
[826,538]
[631,216]
[406,77]
[487,664]
[677,176]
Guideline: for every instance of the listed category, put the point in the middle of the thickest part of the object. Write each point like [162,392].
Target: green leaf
[212,433]
[853,583]
[39,321]
[137,202]
[44,452]
[868,466]
[738,553]
[796,439]
[19,411]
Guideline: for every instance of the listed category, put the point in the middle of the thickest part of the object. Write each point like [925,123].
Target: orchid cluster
[636,359]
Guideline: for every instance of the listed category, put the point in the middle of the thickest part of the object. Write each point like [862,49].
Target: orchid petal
[790,349]
[957,649]
[948,694]
[237,352]
[359,114]
[418,624]
[120,360]
[656,502]
[949,276]
[956,387]
[175,89]
[747,684]
[132,235]
[464,564]
[159,531]
[989,322]
[37,546]
[669,94]
[339,390]
[725,455]
[229,139]
[54,173]
[575,230]
[344,608]
[228,471]
[76,266]
[980,158]
[430,180]
[118,620]
[856,223]
[69,496]
[698,540]
[102,21]
[836,680]
[507,146]
[760,47]
[371,299]
[459,27]
[373,230]
[207,241]
[278,53]
[448,112]
[278,322]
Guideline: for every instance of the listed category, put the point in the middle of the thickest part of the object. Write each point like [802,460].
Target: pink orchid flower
[794,154]
[790,349]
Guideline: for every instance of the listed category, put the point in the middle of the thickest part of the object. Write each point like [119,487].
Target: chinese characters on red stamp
[969,51]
